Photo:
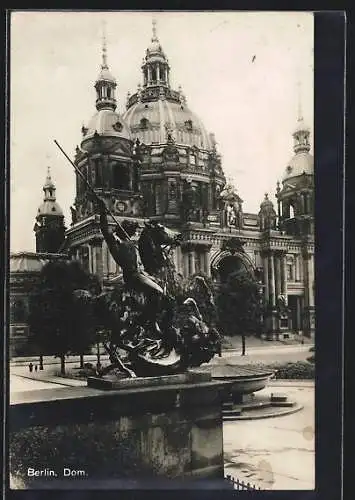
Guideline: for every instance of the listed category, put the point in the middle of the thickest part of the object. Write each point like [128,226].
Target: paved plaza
[275,453]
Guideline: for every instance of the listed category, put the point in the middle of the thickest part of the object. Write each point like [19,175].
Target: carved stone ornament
[120,206]
[117,126]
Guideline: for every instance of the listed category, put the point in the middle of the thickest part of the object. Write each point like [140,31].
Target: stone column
[131,173]
[297,271]
[208,262]
[185,258]
[98,258]
[192,266]
[104,258]
[93,258]
[311,280]
[266,278]
[284,274]
[306,279]
[158,72]
[277,258]
[298,326]
[149,75]
[91,266]
[272,280]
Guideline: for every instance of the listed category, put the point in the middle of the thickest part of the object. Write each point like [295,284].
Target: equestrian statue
[151,325]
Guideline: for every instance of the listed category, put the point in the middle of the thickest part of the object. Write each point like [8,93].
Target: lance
[90,188]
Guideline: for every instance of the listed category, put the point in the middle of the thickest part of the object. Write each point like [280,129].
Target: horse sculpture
[151,327]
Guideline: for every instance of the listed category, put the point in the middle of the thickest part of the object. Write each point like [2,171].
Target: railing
[241,485]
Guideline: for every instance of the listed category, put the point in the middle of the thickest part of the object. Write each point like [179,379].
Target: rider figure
[125,253]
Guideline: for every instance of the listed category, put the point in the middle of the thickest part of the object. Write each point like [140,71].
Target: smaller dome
[105,74]
[301,163]
[50,208]
[108,123]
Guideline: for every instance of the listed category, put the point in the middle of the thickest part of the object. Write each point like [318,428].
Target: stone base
[110,382]
[132,435]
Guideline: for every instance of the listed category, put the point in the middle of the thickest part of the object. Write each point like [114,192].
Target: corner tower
[296,197]
[105,155]
[106,160]
[49,227]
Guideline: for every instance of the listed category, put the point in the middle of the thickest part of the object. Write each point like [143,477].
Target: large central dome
[156,111]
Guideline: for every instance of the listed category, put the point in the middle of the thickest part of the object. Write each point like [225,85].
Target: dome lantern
[49,187]
[155,65]
[105,84]
[301,133]
[302,161]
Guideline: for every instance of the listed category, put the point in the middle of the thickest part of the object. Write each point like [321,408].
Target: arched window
[292,212]
[109,93]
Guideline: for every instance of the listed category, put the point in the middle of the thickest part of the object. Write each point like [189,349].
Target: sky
[245,74]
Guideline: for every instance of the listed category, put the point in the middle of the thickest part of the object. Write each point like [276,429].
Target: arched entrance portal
[225,263]
[229,265]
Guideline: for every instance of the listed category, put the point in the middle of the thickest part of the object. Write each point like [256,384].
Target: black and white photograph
[162,285]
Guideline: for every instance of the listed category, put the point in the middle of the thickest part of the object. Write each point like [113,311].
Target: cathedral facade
[157,161]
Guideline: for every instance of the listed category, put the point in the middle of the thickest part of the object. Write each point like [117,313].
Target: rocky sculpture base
[143,432]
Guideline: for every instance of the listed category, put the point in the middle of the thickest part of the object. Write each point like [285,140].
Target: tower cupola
[155,65]
[105,84]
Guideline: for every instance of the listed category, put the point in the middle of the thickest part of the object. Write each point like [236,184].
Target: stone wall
[172,433]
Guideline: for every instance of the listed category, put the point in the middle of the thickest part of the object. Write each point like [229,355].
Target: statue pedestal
[137,436]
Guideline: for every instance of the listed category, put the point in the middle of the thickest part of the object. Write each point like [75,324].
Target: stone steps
[260,407]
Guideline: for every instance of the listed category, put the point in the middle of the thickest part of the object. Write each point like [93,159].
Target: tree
[61,321]
[239,308]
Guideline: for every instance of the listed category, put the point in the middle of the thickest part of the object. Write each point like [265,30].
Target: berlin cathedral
[157,161]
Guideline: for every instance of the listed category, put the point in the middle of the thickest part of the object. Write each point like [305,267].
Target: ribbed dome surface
[108,123]
[302,162]
[186,128]
[50,207]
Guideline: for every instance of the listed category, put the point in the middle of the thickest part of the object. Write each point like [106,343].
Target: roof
[32,262]
[162,114]
[50,207]
[108,123]
[300,163]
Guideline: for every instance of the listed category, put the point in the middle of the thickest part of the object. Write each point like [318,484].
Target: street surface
[21,384]
[274,453]
[272,354]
